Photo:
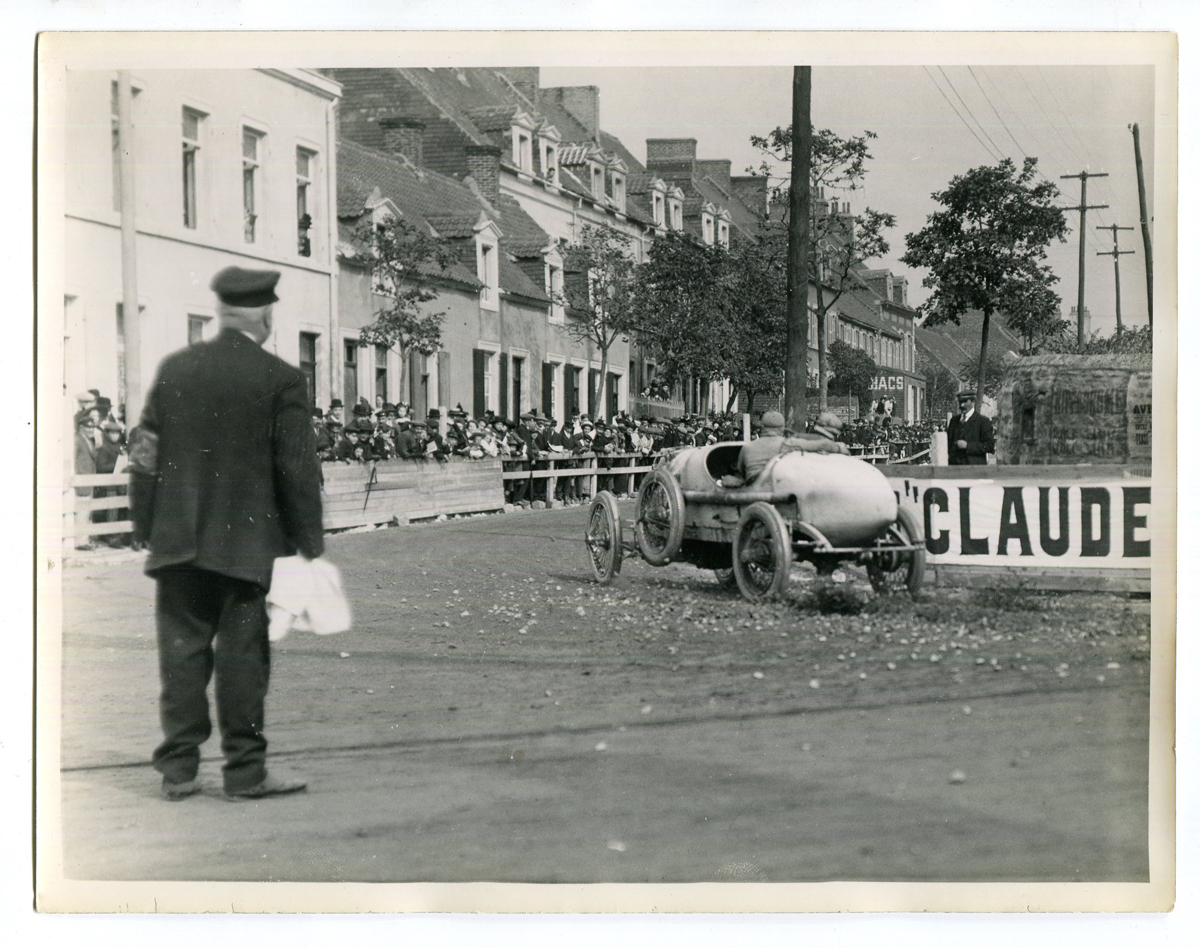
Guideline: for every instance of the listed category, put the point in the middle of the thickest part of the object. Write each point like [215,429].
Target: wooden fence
[356,495]
[589,467]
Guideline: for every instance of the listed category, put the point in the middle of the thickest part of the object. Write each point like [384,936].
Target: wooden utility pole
[1083,208]
[1141,178]
[1115,253]
[795,377]
[130,315]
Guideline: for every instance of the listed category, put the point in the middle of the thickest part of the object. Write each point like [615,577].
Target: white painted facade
[289,114]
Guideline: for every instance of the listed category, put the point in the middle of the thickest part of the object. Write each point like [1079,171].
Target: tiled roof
[941,348]
[574,153]
[740,216]
[514,280]
[862,312]
[445,204]
[612,144]
[492,118]
[522,236]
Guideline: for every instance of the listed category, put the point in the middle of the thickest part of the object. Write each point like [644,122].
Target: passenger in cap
[772,442]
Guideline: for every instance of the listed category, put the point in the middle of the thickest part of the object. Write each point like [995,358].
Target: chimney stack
[670,150]
[483,165]
[583,103]
[402,136]
[719,170]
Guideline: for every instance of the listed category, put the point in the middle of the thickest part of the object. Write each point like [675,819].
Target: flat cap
[528,416]
[966,393]
[772,419]
[238,286]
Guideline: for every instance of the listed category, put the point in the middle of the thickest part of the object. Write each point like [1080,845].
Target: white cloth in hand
[306,595]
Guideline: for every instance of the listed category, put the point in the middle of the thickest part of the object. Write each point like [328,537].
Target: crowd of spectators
[880,435]
[100,448]
[390,431]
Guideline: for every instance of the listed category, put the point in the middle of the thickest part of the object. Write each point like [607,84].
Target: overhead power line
[969,112]
[959,114]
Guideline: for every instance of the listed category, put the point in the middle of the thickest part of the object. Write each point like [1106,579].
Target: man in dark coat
[225,479]
[969,436]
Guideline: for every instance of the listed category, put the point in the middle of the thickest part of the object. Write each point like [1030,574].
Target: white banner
[1055,523]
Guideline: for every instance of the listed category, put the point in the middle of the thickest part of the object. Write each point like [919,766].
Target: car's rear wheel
[762,553]
[895,571]
[658,518]
[603,538]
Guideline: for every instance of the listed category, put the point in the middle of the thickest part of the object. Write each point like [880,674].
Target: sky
[933,123]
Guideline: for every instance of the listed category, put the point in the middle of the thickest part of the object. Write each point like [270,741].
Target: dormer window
[676,215]
[522,154]
[706,228]
[549,158]
[723,234]
[597,181]
[618,191]
[659,209]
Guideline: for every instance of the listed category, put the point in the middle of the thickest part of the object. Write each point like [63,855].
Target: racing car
[826,509]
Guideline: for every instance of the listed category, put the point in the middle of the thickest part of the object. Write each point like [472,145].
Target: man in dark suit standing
[969,436]
[225,478]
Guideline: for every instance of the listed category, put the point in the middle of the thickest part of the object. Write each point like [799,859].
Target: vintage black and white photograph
[549,469]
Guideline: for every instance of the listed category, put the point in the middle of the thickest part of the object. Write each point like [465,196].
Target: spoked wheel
[603,538]
[893,572]
[726,578]
[658,518]
[762,553]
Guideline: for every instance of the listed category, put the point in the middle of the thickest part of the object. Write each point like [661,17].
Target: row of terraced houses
[278,168]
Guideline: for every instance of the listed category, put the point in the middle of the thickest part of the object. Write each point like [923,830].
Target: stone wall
[1067,409]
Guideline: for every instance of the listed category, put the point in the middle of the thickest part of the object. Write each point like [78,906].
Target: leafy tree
[1136,339]
[985,249]
[408,263]
[853,370]
[995,367]
[754,307]
[708,313]
[679,318]
[600,277]
[841,242]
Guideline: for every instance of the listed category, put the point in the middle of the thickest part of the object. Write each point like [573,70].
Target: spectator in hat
[969,436]
[335,411]
[321,435]
[224,480]
[408,445]
[111,458]
[340,445]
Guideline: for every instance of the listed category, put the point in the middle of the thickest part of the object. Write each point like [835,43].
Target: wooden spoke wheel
[726,578]
[658,518]
[762,553]
[896,571]
[603,538]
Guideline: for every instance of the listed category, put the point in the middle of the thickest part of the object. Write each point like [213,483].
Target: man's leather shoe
[270,787]
[179,791]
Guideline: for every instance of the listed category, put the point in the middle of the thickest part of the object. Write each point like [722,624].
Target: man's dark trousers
[206,622]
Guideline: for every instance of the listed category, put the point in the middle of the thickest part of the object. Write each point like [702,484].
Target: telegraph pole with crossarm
[1083,208]
[1116,254]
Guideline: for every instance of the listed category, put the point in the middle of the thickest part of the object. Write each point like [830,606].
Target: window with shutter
[548,389]
[481,357]
[503,413]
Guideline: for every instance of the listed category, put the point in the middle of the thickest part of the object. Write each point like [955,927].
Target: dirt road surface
[495,715]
